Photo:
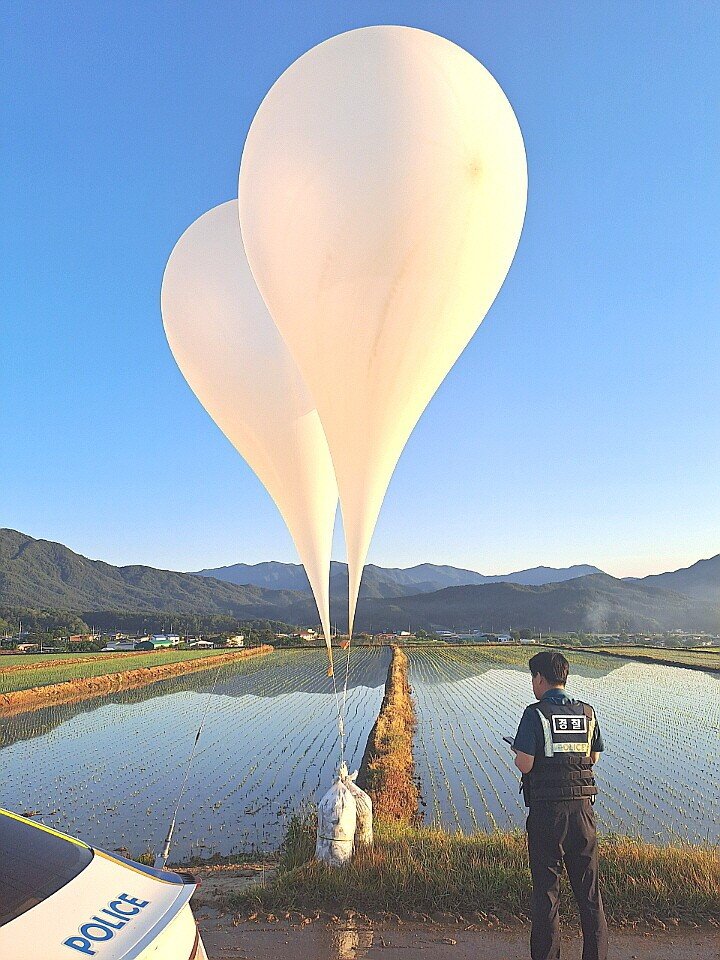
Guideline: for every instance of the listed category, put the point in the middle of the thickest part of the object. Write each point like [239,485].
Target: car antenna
[162,857]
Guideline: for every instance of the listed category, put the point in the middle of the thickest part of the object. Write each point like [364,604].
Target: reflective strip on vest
[547,733]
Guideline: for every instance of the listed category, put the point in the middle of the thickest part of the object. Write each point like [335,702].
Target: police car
[63,900]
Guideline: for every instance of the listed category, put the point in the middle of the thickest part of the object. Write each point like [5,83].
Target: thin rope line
[162,859]
[347,674]
[341,721]
[345,685]
[197,738]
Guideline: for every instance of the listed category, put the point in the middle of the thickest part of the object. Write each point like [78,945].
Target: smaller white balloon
[233,357]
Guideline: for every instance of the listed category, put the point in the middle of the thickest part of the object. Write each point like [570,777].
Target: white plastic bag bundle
[337,816]
[364,825]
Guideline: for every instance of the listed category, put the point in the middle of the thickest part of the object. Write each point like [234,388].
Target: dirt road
[348,940]
[304,938]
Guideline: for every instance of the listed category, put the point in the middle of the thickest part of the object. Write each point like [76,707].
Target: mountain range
[383,582]
[595,603]
[42,574]
[701,580]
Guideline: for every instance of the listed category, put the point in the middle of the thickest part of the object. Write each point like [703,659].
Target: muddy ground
[227,939]
[315,937]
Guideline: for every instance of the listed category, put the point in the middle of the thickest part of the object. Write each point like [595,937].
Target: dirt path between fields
[351,940]
[312,936]
[85,688]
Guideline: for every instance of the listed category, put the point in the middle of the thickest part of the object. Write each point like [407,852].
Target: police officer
[557,743]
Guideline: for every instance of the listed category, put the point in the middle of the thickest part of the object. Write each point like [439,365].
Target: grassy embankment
[387,770]
[419,870]
[695,658]
[416,870]
[49,684]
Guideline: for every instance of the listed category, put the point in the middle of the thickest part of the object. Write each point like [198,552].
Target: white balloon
[232,355]
[382,195]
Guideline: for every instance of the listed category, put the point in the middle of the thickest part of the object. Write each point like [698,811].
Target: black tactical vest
[562,770]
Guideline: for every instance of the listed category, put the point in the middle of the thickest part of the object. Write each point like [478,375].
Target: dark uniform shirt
[529,737]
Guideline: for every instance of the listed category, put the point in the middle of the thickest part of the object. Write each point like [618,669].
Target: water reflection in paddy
[661,726]
[109,770]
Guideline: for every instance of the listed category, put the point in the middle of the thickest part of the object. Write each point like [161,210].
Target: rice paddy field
[661,726]
[24,672]
[706,658]
[109,769]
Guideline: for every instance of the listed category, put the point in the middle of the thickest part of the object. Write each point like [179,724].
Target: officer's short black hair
[551,665]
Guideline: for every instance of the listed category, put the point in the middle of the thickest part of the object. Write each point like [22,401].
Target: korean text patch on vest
[566,729]
[569,724]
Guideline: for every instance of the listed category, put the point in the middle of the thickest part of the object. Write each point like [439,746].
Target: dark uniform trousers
[564,832]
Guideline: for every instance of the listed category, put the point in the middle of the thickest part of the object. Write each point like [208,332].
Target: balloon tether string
[162,858]
[347,674]
[341,723]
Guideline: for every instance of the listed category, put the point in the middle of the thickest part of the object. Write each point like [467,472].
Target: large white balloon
[382,195]
[230,352]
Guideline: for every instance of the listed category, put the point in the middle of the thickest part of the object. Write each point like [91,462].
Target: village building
[113,646]
[158,641]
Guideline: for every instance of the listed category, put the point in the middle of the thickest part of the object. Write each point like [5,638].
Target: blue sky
[582,424]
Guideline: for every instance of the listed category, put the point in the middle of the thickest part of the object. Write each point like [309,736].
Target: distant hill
[270,575]
[595,603]
[41,574]
[701,580]
[537,576]
[386,582]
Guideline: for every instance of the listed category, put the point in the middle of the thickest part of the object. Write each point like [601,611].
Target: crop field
[45,672]
[706,657]
[661,727]
[109,771]
[33,659]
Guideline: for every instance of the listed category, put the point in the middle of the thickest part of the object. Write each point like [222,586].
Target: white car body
[109,909]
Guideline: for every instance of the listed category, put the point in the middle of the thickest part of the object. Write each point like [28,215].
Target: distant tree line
[50,626]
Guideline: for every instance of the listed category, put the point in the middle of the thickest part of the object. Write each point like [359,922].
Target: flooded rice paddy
[109,770]
[661,728]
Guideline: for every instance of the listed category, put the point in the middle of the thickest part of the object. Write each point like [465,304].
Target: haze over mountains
[42,574]
[595,603]
[701,580]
